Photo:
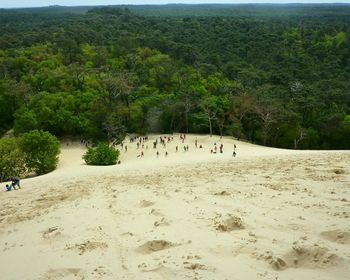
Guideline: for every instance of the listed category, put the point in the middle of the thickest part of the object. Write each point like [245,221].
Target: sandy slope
[266,214]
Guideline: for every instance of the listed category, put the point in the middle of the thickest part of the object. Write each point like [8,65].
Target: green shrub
[40,150]
[102,154]
[11,159]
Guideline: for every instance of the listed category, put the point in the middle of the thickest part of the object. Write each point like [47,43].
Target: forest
[276,75]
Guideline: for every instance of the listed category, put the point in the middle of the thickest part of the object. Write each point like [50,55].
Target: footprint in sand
[146,203]
[338,171]
[312,257]
[154,246]
[87,246]
[338,236]
[52,232]
[155,212]
[161,222]
[63,273]
[230,224]
[222,193]
[196,266]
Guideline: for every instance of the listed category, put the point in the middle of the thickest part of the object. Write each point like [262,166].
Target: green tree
[210,110]
[102,154]
[11,159]
[40,150]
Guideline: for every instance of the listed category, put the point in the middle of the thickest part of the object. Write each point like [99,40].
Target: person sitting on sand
[15,182]
[8,188]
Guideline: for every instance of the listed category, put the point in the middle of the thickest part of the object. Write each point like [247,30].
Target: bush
[11,159]
[102,154]
[40,150]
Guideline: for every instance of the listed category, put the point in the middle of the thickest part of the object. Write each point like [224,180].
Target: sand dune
[264,214]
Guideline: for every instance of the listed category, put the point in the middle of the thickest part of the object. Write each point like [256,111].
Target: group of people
[141,144]
[215,149]
[14,182]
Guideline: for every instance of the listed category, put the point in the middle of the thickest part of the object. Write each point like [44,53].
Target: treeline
[208,10]
[278,82]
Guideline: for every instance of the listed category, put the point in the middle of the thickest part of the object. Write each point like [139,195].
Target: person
[15,182]
[8,187]
[234,154]
[157,154]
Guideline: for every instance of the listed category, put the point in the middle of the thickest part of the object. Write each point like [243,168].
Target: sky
[41,3]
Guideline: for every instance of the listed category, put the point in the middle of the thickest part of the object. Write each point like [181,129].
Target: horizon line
[346,2]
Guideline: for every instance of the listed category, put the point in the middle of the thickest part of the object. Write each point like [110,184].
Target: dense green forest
[271,74]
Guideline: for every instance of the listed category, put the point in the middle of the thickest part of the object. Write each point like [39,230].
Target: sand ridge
[265,214]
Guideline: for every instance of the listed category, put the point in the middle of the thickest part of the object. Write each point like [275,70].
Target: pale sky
[41,3]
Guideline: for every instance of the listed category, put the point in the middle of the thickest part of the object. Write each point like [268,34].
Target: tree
[40,150]
[209,107]
[102,154]
[25,120]
[268,115]
[114,128]
[11,159]
[189,88]
[223,113]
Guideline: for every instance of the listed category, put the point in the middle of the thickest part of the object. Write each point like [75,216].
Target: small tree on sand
[40,150]
[11,159]
[102,154]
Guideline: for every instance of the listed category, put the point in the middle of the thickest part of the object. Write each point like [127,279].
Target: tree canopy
[273,75]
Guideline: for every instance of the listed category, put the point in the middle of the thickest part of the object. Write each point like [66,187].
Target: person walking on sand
[157,154]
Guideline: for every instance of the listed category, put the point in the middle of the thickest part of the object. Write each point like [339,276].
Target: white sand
[266,214]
